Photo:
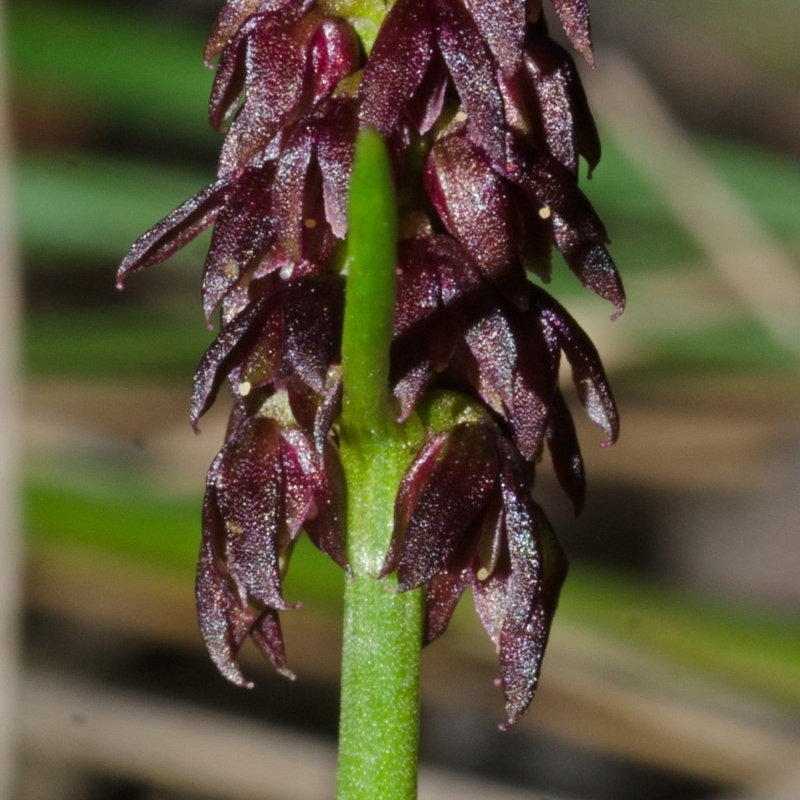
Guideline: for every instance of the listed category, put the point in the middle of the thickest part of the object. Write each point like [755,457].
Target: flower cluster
[486,120]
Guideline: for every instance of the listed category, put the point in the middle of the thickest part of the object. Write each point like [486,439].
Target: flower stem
[379,722]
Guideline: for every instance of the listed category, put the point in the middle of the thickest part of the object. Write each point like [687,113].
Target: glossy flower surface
[486,123]
[490,536]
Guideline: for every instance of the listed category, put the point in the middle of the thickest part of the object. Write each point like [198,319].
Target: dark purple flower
[489,535]
[268,482]
[486,121]
[284,61]
[455,328]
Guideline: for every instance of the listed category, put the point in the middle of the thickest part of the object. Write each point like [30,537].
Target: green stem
[379,723]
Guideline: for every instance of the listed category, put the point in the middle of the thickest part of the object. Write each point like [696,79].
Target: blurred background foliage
[687,550]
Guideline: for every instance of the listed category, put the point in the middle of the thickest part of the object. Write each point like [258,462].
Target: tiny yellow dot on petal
[310,223]
[244,388]
[545,212]
[461,116]
[482,574]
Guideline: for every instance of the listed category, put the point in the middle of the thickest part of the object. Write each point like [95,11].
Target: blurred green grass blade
[74,206]
[146,530]
[152,532]
[91,61]
[770,183]
[754,650]
[115,342]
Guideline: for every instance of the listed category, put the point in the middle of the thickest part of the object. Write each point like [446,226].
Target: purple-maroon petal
[336,136]
[563,109]
[251,496]
[303,475]
[502,23]
[242,233]
[562,442]
[222,617]
[276,64]
[591,264]
[554,188]
[489,596]
[326,527]
[233,15]
[334,54]
[176,229]
[312,321]
[472,202]
[427,103]
[588,374]
[267,636]
[397,64]
[315,413]
[226,617]
[229,81]
[493,348]
[434,519]
[223,354]
[289,192]
[574,16]
[441,597]
[470,63]
[522,647]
